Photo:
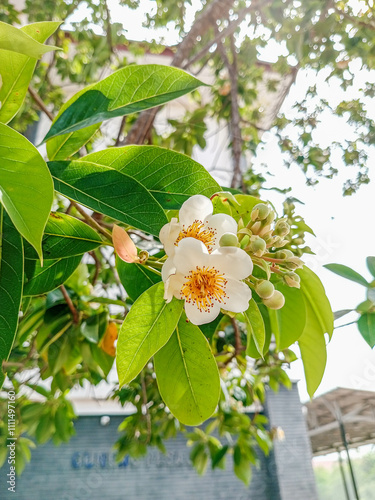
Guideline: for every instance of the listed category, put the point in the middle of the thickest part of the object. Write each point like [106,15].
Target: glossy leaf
[94,327]
[366,325]
[255,327]
[288,322]
[110,192]
[170,177]
[128,90]
[187,375]
[65,236]
[54,273]
[26,186]
[370,261]
[16,40]
[312,345]
[135,278]
[11,278]
[347,272]
[147,327]
[16,70]
[314,293]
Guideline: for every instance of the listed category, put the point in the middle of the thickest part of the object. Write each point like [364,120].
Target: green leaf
[319,320]
[187,375]
[128,90]
[135,278]
[241,466]
[347,272]
[54,273]
[288,322]
[94,327]
[11,278]
[255,327]
[65,236]
[370,261]
[366,325]
[147,327]
[107,191]
[16,70]
[16,40]
[341,313]
[313,350]
[314,293]
[169,176]
[26,186]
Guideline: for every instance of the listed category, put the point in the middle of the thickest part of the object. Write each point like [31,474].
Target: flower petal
[167,269]
[220,224]
[189,254]
[239,295]
[169,234]
[172,286]
[198,317]
[197,207]
[124,245]
[232,261]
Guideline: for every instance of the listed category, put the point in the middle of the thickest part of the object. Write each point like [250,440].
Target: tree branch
[40,104]
[68,300]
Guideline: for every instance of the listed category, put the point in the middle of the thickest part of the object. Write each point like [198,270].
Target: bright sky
[344,226]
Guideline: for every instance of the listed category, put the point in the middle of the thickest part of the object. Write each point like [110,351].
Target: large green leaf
[347,272]
[110,192]
[313,350]
[171,177]
[26,186]
[288,322]
[366,325]
[11,278]
[147,327]
[16,70]
[54,273]
[65,236]
[187,375]
[255,328]
[319,320]
[128,90]
[135,278]
[16,40]
[314,293]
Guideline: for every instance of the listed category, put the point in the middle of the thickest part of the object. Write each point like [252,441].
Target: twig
[90,221]
[118,139]
[237,337]
[40,103]
[68,300]
[98,266]
[108,27]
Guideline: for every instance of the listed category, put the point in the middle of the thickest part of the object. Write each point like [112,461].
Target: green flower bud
[257,246]
[276,301]
[265,289]
[228,240]
[292,280]
[270,218]
[284,254]
[255,228]
[282,228]
[260,212]
[245,241]
[293,263]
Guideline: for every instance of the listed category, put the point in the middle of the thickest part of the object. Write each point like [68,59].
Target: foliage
[366,309]
[74,301]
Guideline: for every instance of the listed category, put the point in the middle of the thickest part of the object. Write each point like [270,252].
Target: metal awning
[341,419]
[354,408]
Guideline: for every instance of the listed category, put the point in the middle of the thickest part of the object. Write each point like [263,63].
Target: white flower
[196,221]
[207,281]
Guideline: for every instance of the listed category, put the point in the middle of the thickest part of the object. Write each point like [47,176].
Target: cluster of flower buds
[263,239]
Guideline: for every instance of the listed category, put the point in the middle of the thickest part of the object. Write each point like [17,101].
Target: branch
[90,221]
[40,104]
[68,300]
[235,111]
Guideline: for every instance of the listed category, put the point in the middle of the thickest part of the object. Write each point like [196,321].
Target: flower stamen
[200,232]
[203,286]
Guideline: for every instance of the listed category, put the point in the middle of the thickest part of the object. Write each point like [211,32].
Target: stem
[40,104]
[68,300]
[91,222]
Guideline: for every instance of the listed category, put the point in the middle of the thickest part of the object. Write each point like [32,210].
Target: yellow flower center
[203,286]
[198,231]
